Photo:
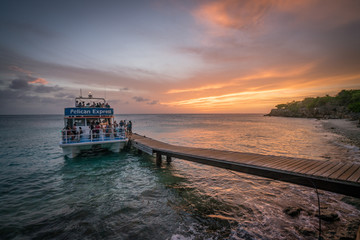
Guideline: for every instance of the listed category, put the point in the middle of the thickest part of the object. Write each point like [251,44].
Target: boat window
[89,121]
[79,122]
[93,121]
[104,121]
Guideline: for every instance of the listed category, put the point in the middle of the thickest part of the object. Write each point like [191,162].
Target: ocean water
[126,196]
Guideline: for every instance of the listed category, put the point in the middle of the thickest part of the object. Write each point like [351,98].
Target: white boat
[90,126]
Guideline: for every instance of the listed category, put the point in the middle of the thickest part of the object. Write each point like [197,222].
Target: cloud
[233,13]
[65,95]
[141,99]
[19,84]
[20,102]
[19,69]
[247,14]
[46,89]
[74,76]
[28,83]
[148,101]
[154,102]
[40,81]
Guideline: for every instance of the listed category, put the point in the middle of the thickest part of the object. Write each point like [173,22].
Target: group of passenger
[98,129]
[126,126]
[92,105]
[72,133]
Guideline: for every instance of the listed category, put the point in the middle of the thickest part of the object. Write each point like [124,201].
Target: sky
[167,56]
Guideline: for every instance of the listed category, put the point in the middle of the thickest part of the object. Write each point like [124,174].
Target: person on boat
[108,130]
[73,132]
[65,133]
[92,130]
[97,130]
[129,128]
[79,134]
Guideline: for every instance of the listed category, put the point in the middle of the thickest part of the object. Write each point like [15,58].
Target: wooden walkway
[343,178]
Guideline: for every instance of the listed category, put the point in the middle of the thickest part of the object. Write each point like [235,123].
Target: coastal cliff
[346,104]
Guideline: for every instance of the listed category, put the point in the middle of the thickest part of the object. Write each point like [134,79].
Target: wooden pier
[343,178]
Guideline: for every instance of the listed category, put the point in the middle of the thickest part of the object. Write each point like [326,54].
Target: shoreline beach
[347,129]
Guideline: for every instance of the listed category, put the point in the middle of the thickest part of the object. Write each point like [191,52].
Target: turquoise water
[125,196]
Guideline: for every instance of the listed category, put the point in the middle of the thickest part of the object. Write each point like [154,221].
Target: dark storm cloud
[19,84]
[23,83]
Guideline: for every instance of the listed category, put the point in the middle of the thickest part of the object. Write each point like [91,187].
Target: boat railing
[95,135]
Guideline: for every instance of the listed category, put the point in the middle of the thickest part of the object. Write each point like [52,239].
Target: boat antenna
[80,93]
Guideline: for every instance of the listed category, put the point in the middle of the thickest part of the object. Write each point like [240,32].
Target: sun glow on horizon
[225,99]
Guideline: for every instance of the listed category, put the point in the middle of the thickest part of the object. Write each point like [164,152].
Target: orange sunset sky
[155,56]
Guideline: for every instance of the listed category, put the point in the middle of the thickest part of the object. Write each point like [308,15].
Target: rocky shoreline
[350,130]
[336,113]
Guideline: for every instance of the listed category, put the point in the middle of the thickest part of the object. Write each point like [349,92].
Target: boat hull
[71,150]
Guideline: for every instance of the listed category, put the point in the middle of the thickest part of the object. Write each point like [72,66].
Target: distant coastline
[345,105]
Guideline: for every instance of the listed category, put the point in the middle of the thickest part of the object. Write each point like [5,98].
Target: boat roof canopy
[77,117]
[89,98]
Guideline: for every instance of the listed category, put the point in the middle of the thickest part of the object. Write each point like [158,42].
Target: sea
[104,195]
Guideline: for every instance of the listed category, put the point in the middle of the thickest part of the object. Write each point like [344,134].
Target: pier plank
[307,164]
[329,169]
[349,172]
[295,163]
[355,176]
[311,165]
[318,168]
[341,170]
[280,163]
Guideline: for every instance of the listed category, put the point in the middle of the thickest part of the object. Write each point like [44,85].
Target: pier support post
[158,159]
[168,159]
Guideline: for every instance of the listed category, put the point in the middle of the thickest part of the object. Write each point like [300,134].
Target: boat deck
[338,177]
[92,140]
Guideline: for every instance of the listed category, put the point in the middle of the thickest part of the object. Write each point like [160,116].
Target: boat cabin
[87,113]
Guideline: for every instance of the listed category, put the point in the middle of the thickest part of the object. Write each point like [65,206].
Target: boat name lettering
[88,112]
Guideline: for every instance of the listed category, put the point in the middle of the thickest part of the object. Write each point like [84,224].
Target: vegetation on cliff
[346,104]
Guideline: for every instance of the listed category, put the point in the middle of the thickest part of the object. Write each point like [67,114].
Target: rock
[306,231]
[292,211]
[329,217]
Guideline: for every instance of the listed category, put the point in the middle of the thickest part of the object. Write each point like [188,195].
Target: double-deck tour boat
[90,125]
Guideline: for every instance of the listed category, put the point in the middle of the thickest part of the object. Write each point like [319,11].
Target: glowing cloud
[39,81]
[227,99]
[234,13]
